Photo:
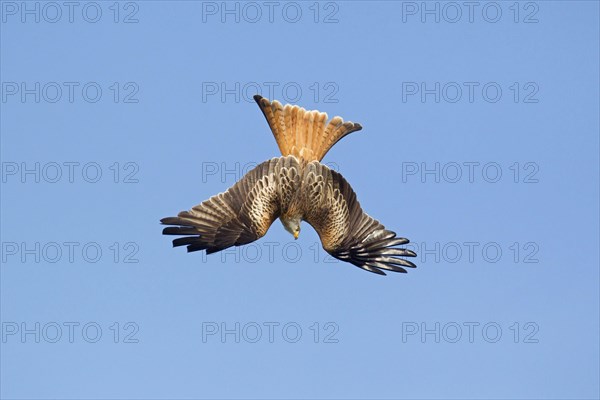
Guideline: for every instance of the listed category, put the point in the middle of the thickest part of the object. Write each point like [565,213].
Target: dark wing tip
[372,269]
[170,221]
[257,98]
[378,253]
[409,264]
[409,253]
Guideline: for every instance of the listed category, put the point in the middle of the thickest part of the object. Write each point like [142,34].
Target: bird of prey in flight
[293,188]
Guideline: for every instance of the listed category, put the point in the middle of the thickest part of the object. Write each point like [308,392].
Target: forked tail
[304,134]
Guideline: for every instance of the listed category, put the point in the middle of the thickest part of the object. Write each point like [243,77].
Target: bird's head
[292,225]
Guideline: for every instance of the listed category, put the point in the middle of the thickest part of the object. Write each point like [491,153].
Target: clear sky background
[496,187]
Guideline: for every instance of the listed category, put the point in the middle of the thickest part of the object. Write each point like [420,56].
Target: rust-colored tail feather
[301,133]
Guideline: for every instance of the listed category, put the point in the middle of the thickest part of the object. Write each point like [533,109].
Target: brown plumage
[304,134]
[294,187]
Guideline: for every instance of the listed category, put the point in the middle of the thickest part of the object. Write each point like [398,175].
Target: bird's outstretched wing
[240,215]
[346,232]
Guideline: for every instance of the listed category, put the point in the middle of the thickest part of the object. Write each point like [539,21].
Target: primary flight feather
[293,188]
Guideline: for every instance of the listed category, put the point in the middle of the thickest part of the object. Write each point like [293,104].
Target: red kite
[293,188]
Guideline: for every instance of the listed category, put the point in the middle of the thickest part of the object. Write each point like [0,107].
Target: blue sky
[480,144]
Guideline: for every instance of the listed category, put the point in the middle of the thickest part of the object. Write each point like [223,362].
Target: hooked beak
[296,234]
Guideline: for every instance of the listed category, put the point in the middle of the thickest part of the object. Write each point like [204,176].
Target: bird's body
[294,187]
